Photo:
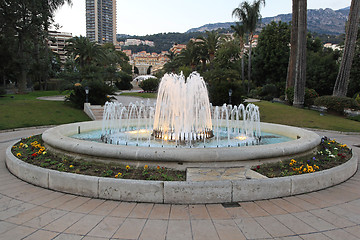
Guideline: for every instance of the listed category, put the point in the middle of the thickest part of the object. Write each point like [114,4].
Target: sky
[143,17]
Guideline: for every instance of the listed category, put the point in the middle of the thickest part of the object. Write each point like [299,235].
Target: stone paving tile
[300,203]
[251,229]
[84,225]
[141,210]
[179,230]
[59,201]
[345,213]
[39,194]
[107,227]
[179,212]
[203,230]
[321,198]
[45,219]
[289,238]
[253,209]
[228,230]
[237,212]
[274,227]
[270,207]
[160,211]
[66,236]
[41,235]
[13,211]
[105,208]
[9,203]
[154,229]
[345,194]
[315,236]
[93,238]
[340,234]
[353,230]
[334,219]
[286,205]
[18,232]
[6,226]
[314,221]
[130,229]
[47,198]
[198,212]
[122,210]
[73,203]
[88,206]
[314,201]
[64,222]
[217,211]
[295,224]
[28,215]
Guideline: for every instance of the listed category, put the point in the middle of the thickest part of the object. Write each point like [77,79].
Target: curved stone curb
[178,192]
[58,140]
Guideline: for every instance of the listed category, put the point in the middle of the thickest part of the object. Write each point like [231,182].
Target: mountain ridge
[323,21]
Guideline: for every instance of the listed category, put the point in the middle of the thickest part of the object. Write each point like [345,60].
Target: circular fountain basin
[58,139]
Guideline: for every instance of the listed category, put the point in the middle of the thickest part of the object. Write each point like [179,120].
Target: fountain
[178,133]
[182,116]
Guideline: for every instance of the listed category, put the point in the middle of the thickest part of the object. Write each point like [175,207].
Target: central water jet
[182,109]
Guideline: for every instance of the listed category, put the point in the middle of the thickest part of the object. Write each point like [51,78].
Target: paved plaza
[30,212]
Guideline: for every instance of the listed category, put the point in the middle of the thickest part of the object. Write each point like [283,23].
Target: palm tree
[300,73]
[249,15]
[209,45]
[240,32]
[190,55]
[342,80]
[86,52]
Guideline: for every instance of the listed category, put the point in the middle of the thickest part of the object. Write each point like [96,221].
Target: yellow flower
[44,153]
[127,167]
[120,174]
[71,166]
[158,167]
[116,176]
[146,167]
[77,84]
[18,155]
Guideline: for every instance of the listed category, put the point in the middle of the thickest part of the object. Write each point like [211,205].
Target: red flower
[34,154]
[258,167]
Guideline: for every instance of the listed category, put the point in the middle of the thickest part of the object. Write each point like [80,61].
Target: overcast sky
[142,17]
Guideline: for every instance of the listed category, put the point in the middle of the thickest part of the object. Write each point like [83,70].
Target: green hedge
[336,104]
[150,84]
[310,96]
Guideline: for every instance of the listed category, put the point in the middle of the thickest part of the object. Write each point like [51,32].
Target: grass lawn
[24,110]
[283,114]
[140,94]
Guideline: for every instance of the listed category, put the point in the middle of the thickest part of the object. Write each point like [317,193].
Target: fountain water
[182,115]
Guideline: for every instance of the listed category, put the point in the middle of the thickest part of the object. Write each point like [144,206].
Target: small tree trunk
[342,80]
[243,70]
[300,78]
[23,71]
[290,78]
[249,64]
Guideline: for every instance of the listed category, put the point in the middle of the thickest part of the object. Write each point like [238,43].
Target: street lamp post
[230,93]
[87,94]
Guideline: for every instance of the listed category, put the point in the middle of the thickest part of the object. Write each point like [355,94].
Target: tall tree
[342,80]
[249,15]
[210,44]
[290,78]
[239,33]
[300,73]
[27,20]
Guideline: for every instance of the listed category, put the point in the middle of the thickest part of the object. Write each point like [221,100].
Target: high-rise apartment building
[101,20]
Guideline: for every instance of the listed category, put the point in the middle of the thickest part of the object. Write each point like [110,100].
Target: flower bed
[330,154]
[32,150]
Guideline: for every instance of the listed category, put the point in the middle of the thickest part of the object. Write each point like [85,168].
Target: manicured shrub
[125,82]
[310,96]
[2,91]
[98,93]
[150,84]
[336,104]
[219,93]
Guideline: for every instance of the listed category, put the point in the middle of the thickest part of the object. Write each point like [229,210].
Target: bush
[310,96]
[150,84]
[219,93]
[2,91]
[336,104]
[98,93]
[125,82]
[357,98]
[268,92]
